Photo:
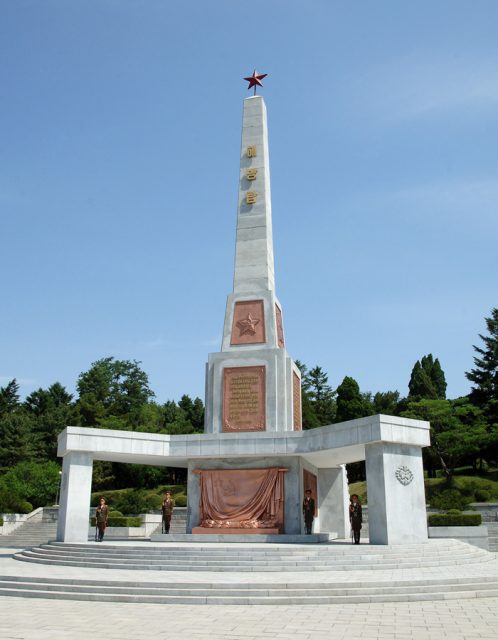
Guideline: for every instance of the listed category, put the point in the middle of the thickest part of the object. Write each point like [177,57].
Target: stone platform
[238,574]
[209,536]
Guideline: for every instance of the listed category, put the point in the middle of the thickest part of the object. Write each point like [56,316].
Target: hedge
[1,521]
[455,520]
[120,521]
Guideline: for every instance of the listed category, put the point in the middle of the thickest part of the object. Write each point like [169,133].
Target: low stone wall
[477,536]
[12,521]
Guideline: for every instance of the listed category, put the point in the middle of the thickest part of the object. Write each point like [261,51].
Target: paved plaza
[46,619]
[40,619]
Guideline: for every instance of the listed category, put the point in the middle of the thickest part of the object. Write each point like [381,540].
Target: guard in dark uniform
[101,517]
[355,517]
[308,511]
[167,509]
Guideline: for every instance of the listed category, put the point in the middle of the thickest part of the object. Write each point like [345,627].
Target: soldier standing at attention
[355,517]
[167,507]
[308,511]
[101,516]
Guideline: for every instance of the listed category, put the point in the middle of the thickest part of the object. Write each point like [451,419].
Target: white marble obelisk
[253,384]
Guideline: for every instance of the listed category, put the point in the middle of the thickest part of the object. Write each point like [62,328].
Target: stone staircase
[253,593]
[277,558]
[477,577]
[33,532]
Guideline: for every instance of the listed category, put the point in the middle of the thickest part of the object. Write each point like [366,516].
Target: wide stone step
[339,558]
[212,593]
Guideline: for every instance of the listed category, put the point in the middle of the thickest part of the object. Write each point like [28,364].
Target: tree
[34,482]
[194,412]
[386,402]
[52,410]
[458,429]
[484,376]
[17,440]
[427,380]
[320,395]
[350,402]
[112,388]
[9,397]
[309,417]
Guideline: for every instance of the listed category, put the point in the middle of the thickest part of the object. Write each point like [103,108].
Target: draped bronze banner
[242,498]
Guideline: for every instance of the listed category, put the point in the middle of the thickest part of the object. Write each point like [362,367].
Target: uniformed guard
[355,517]
[308,511]
[167,509]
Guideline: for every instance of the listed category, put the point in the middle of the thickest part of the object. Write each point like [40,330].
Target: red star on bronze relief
[255,80]
[247,325]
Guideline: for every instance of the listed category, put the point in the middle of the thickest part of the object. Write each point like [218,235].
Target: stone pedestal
[396,495]
[76,487]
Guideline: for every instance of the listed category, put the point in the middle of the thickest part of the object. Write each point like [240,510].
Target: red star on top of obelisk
[255,80]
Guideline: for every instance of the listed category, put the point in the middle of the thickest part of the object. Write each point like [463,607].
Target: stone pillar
[333,501]
[76,486]
[396,495]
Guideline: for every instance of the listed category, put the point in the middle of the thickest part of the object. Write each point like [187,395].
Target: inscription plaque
[280,327]
[296,397]
[244,399]
[248,325]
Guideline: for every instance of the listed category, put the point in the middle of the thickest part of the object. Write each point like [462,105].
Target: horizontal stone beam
[324,447]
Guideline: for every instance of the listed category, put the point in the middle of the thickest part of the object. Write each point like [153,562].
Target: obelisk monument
[253,384]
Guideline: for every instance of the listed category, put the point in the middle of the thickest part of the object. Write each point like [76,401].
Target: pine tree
[427,380]
[321,395]
[484,393]
[351,403]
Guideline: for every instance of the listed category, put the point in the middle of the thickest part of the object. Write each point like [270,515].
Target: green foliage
[115,514]
[454,520]
[1,521]
[51,410]
[34,482]
[481,495]
[112,388]
[427,380]
[457,429]
[449,499]
[317,398]
[137,501]
[180,500]
[484,376]
[120,521]
[351,403]
[386,402]
[9,397]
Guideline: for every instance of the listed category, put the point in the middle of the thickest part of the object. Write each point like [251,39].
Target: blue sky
[119,144]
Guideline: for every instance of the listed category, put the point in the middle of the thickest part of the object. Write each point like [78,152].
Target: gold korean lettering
[251,197]
[251,174]
[251,151]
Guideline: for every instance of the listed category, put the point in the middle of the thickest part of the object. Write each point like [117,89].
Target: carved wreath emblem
[403,475]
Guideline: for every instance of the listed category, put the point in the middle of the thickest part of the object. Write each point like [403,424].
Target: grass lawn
[477,487]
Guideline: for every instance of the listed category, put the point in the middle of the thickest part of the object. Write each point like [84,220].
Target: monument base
[229,531]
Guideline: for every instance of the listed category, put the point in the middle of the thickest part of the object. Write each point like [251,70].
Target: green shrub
[115,514]
[180,500]
[449,499]
[453,512]
[1,521]
[455,520]
[137,501]
[482,495]
[30,481]
[120,521]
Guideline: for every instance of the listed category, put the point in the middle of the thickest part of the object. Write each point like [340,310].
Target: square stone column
[396,495]
[333,500]
[76,487]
